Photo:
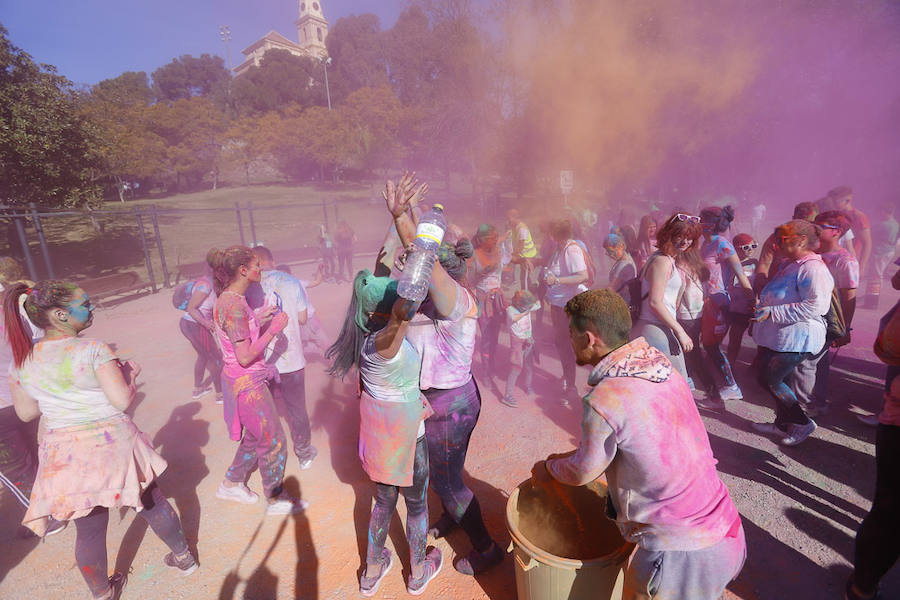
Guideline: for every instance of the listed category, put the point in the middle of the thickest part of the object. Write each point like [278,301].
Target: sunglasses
[829,226]
[749,247]
[683,217]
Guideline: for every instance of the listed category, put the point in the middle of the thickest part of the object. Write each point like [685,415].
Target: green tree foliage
[45,142]
[356,45]
[281,79]
[189,76]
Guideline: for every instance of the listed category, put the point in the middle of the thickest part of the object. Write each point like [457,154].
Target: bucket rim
[613,558]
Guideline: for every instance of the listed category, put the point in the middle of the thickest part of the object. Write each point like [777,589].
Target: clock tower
[312,28]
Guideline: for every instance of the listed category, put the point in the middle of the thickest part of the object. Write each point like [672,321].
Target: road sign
[566,181]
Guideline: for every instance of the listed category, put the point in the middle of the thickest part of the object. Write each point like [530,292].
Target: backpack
[634,298]
[182,294]
[835,325]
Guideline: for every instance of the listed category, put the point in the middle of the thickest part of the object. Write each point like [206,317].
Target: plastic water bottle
[419,264]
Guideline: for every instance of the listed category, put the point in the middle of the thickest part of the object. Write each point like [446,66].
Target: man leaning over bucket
[641,428]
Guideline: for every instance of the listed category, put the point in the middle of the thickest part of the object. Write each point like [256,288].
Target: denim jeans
[293,393]
[775,372]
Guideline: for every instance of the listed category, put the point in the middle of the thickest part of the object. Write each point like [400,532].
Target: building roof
[272,36]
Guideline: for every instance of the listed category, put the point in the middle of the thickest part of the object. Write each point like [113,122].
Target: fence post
[252,222]
[44,249]
[140,221]
[237,210]
[159,246]
[26,251]
[325,212]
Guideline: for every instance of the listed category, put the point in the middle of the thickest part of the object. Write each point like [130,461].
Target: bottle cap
[438,206]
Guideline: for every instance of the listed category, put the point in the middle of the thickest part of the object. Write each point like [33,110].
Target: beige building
[312,30]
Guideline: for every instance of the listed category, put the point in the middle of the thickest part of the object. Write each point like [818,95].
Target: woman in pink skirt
[92,457]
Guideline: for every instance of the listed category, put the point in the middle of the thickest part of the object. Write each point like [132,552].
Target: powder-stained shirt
[641,428]
[203,285]
[715,254]
[843,267]
[391,379]
[61,375]
[740,303]
[445,345]
[520,329]
[235,320]
[622,271]
[285,350]
[691,305]
[797,299]
[565,264]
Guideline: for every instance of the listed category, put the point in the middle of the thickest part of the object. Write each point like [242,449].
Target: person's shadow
[180,441]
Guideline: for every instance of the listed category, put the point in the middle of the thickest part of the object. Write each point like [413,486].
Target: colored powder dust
[567,521]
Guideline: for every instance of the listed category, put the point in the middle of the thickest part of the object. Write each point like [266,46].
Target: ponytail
[17,332]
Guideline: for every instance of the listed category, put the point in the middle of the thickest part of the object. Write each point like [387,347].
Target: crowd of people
[653,334]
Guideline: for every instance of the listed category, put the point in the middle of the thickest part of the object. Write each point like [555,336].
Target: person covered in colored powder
[566,275]
[842,199]
[197,326]
[443,334]
[250,412]
[723,264]
[623,268]
[694,274]
[485,274]
[392,446]
[878,538]
[524,251]
[638,417]
[770,259]
[521,341]
[285,352]
[661,287]
[810,383]
[790,326]
[91,457]
[741,309]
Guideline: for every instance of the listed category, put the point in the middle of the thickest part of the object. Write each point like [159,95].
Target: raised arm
[389,339]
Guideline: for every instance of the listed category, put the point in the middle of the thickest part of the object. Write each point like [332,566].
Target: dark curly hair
[602,312]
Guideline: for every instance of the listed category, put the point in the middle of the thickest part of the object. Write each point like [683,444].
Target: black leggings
[90,537]
[878,538]
[693,360]
[416,497]
[448,432]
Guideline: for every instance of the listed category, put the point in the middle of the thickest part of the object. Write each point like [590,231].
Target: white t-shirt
[391,379]
[566,264]
[846,240]
[310,309]
[285,351]
[206,307]
[520,329]
[61,376]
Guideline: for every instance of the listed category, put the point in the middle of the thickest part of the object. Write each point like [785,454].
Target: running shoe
[286,505]
[816,410]
[200,392]
[186,564]
[870,420]
[798,433]
[238,493]
[731,392]
[508,400]
[768,428]
[477,562]
[430,568]
[309,455]
[368,586]
[219,398]
[55,527]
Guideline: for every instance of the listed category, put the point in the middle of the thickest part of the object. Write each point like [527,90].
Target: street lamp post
[325,63]
[225,35]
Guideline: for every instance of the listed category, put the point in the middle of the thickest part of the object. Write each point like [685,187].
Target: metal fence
[161,245]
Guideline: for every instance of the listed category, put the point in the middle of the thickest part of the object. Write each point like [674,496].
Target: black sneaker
[431,567]
[477,562]
[369,585]
[185,564]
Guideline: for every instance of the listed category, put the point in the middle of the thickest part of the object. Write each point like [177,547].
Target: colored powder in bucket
[566,521]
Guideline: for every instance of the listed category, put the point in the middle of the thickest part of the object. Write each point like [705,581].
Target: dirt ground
[800,506]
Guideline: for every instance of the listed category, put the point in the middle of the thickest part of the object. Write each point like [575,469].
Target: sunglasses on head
[683,217]
[749,247]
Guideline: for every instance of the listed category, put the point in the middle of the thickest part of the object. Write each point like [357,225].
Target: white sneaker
[870,420]
[731,392]
[285,505]
[768,428]
[238,493]
[798,433]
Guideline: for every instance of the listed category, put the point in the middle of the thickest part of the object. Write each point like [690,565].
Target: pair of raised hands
[404,195]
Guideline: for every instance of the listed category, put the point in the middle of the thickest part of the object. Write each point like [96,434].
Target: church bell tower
[312,28]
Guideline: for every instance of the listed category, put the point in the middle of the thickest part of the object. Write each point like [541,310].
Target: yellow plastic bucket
[573,523]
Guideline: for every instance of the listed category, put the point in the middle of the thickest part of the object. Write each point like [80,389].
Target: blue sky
[92,40]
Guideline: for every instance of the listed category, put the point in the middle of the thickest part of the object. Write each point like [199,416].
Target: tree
[46,144]
[129,88]
[280,80]
[372,117]
[189,76]
[356,47]
[247,140]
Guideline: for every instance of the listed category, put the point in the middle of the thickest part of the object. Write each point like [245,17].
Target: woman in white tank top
[661,289]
